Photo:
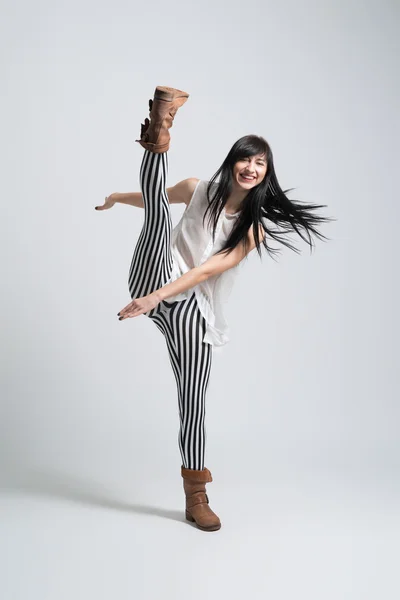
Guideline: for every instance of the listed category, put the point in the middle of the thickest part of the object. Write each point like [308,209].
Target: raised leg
[151,263]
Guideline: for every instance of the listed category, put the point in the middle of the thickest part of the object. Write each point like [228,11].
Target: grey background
[302,418]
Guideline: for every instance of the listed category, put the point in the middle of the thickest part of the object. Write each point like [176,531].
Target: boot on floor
[154,134]
[197,506]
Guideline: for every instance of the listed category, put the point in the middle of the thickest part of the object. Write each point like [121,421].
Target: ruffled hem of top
[215,337]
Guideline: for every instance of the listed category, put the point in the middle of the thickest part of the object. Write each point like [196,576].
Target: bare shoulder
[182,192]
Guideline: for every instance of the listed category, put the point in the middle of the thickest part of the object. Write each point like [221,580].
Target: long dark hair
[265,203]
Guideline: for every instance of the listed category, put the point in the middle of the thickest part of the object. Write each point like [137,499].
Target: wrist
[157,295]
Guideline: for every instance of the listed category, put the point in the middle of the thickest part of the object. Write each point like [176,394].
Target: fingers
[134,313]
[138,306]
[103,207]
[124,312]
[131,310]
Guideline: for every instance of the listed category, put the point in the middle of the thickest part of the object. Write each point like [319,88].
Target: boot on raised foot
[154,135]
[197,506]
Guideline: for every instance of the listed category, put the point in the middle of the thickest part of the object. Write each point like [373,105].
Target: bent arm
[215,265]
[180,193]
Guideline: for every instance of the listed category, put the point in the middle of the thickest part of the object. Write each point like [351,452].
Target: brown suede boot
[154,134]
[197,507]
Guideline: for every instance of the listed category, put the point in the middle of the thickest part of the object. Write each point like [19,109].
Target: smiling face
[249,172]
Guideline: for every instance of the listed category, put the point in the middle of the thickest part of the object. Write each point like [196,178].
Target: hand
[139,306]
[108,203]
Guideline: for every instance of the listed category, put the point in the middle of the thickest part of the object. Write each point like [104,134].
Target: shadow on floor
[73,489]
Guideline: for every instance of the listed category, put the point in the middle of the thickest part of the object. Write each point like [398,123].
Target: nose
[251,167]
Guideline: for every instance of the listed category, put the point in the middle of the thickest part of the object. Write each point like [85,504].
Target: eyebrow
[259,158]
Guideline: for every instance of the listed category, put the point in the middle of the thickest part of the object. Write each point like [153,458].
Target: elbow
[210,271]
[205,272]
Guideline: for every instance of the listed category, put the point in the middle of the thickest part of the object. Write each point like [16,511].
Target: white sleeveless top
[192,245]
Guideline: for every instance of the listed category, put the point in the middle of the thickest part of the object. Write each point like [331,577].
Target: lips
[246,178]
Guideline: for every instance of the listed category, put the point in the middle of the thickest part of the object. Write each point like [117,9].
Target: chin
[246,186]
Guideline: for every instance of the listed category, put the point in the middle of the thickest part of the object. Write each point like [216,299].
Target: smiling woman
[180,278]
[261,200]
[250,170]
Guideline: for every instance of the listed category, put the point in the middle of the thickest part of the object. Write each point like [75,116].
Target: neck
[235,199]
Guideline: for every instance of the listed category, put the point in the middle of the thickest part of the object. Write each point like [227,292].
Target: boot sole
[169,94]
[211,528]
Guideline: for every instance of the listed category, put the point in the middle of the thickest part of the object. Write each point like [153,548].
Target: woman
[180,277]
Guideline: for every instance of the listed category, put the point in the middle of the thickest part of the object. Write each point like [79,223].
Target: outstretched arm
[180,193]
[213,266]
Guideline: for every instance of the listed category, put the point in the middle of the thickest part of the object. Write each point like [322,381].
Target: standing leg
[191,360]
[151,263]
[184,327]
[195,358]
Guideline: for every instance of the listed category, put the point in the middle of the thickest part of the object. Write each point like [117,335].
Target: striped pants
[180,322]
